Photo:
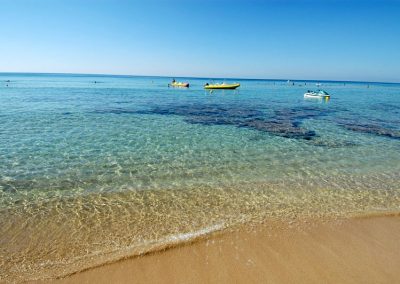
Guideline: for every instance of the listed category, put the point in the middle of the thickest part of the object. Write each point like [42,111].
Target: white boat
[317,95]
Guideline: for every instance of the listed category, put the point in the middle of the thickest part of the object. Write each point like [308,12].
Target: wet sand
[356,250]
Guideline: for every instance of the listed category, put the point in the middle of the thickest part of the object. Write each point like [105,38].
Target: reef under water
[285,122]
[369,127]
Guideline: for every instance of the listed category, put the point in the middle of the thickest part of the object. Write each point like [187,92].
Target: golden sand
[355,250]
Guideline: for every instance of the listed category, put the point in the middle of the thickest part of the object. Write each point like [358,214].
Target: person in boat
[173,81]
[206,84]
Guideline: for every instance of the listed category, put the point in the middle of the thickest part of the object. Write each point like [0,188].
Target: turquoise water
[94,168]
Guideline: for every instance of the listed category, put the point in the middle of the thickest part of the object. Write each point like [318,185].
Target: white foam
[192,235]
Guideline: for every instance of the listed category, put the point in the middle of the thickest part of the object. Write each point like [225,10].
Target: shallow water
[92,172]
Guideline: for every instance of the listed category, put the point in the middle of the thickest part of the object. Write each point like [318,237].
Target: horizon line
[200,77]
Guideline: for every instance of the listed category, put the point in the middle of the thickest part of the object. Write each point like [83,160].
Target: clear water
[92,172]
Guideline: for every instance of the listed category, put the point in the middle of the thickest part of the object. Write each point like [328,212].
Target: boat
[223,86]
[179,84]
[317,95]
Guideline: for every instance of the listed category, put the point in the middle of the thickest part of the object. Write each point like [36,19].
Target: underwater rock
[374,126]
[371,129]
[283,128]
[285,122]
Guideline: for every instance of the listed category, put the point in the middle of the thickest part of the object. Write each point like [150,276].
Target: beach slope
[356,250]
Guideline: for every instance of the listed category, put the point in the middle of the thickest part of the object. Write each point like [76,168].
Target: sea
[96,168]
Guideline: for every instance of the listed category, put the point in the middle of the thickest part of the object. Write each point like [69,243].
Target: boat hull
[221,87]
[182,85]
[326,98]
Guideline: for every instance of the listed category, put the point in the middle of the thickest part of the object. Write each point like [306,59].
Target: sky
[332,40]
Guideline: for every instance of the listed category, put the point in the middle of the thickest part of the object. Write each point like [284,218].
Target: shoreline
[346,250]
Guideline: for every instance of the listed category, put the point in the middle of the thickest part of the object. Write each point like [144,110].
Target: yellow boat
[179,84]
[221,86]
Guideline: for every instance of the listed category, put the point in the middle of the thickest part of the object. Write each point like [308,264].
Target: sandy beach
[356,250]
[200,142]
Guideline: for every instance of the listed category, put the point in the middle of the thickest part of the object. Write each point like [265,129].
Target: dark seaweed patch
[285,122]
[280,128]
[370,128]
[373,129]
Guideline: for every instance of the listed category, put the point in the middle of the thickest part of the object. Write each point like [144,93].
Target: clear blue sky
[338,40]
